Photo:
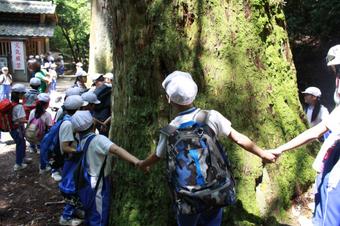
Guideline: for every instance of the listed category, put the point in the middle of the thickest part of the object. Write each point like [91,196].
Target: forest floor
[27,198]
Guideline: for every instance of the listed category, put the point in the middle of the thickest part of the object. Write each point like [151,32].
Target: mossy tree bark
[238,53]
[100,60]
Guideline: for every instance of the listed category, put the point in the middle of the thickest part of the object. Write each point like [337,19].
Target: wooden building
[25,28]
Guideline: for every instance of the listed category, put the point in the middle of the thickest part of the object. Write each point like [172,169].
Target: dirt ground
[26,198]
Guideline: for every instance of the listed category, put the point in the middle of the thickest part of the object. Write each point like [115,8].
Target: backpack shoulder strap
[202,117]
[87,142]
[168,130]
[101,173]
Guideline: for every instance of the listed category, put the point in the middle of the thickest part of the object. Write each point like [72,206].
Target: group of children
[80,117]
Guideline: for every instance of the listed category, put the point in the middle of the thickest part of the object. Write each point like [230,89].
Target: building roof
[27,30]
[26,7]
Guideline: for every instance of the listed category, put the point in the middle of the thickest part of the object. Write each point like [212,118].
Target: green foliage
[240,57]
[313,18]
[72,34]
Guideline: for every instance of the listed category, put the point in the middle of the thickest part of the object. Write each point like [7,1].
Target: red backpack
[6,123]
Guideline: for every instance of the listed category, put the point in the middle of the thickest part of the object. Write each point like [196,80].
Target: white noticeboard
[18,55]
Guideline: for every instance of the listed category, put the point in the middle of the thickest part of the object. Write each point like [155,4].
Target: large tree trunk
[238,52]
[100,59]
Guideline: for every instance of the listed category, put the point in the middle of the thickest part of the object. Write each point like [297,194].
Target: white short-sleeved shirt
[216,121]
[323,114]
[59,113]
[332,122]
[66,134]
[18,112]
[98,148]
[6,80]
[46,118]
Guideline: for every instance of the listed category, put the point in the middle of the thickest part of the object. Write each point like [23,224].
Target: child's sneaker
[79,213]
[56,176]
[47,169]
[31,149]
[28,160]
[72,221]
[18,167]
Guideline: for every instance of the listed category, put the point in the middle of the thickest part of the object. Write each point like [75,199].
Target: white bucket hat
[180,87]
[90,97]
[333,55]
[313,91]
[74,102]
[82,120]
[19,88]
[44,97]
[35,82]
[108,75]
[73,91]
[94,77]
[81,73]
[3,69]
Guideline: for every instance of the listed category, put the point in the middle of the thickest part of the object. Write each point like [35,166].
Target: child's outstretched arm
[149,161]
[304,138]
[123,154]
[244,142]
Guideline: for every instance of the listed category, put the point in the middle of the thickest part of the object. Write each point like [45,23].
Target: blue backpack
[76,177]
[50,147]
[198,169]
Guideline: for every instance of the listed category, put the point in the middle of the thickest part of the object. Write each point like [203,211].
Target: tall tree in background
[73,28]
[238,52]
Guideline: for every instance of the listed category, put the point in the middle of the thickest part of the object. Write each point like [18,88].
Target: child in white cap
[19,119]
[315,111]
[69,92]
[68,144]
[6,82]
[31,95]
[91,98]
[45,118]
[99,154]
[181,92]
[333,62]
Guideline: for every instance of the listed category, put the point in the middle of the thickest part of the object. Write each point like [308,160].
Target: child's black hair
[89,130]
[40,109]
[35,87]
[316,109]
[15,97]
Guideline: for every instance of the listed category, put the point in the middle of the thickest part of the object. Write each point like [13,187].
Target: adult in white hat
[108,78]
[333,61]
[181,91]
[45,118]
[5,82]
[54,76]
[99,152]
[315,111]
[81,79]
[102,111]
